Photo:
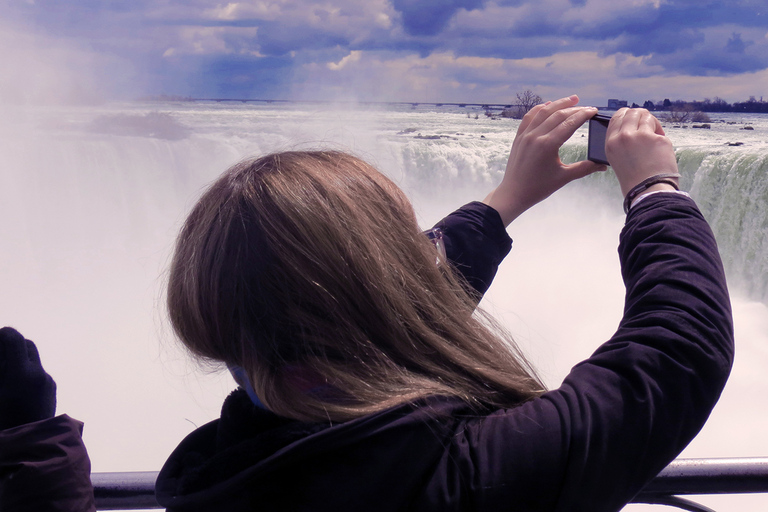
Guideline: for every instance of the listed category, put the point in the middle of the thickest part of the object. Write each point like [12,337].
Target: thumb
[584,168]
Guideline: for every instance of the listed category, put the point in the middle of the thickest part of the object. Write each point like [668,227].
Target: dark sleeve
[626,412]
[476,242]
[44,467]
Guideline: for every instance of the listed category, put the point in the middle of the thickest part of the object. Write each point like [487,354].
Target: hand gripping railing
[136,491]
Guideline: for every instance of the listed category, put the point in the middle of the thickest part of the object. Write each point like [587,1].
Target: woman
[366,382]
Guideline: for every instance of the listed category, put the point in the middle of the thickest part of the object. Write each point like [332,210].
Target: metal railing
[136,490]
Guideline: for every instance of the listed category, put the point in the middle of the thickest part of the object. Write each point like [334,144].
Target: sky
[384,50]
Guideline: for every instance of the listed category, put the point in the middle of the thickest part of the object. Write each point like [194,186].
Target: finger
[652,124]
[632,120]
[564,123]
[528,118]
[547,110]
[617,120]
[557,105]
[648,123]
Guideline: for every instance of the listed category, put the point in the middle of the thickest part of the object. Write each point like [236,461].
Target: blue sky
[389,50]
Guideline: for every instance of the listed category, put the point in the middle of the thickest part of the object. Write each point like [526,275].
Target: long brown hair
[309,270]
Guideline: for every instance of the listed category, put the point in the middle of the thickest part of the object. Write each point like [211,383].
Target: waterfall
[731,189]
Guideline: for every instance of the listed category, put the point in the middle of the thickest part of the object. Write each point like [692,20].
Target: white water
[91,199]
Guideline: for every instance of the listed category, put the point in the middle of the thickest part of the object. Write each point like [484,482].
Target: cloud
[353,56]
[214,40]
[171,46]
[721,52]
[452,77]
[736,45]
[430,17]
[231,76]
[660,41]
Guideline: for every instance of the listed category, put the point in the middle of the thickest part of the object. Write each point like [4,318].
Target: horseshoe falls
[91,199]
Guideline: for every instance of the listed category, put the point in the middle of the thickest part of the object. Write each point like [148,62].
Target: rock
[735,143]
[434,137]
[747,128]
[704,126]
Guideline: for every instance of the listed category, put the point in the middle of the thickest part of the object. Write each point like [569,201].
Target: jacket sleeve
[44,467]
[476,242]
[626,412]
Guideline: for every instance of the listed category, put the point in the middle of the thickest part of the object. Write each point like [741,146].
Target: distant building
[616,104]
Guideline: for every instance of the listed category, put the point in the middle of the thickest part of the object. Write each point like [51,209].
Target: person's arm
[475,238]
[475,242]
[43,462]
[44,466]
[623,414]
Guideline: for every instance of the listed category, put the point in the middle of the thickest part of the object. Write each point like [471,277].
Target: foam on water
[91,199]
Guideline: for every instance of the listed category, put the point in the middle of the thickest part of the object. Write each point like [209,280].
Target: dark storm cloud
[660,41]
[430,17]
[736,45]
[239,76]
[692,13]
[508,49]
[645,29]
[277,39]
[229,76]
[730,58]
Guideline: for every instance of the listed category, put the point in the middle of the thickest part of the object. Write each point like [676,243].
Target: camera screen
[598,125]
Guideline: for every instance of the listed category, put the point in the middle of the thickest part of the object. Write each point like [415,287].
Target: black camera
[598,126]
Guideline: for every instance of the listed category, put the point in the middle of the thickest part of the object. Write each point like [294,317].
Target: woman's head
[309,271]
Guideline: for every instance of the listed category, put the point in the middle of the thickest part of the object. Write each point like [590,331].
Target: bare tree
[684,113]
[700,117]
[527,100]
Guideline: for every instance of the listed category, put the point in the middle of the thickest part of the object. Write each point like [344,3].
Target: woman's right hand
[637,148]
[534,169]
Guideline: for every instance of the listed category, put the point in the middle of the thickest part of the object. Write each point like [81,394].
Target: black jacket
[618,418]
[44,467]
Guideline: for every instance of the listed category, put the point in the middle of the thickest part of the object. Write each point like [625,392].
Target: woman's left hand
[27,392]
[534,169]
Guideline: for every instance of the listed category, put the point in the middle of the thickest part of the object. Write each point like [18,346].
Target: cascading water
[731,188]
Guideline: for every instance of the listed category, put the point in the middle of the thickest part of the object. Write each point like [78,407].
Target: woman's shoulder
[253,445]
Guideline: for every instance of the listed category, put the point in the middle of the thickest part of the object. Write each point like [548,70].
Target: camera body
[598,126]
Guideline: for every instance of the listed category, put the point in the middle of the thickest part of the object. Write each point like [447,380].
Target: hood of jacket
[252,459]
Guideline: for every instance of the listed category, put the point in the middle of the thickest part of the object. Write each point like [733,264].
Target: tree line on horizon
[751,106]
[679,108]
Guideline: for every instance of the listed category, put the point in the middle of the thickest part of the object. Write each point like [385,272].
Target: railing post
[126,491]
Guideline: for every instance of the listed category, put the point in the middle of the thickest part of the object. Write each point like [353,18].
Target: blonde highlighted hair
[309,271]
